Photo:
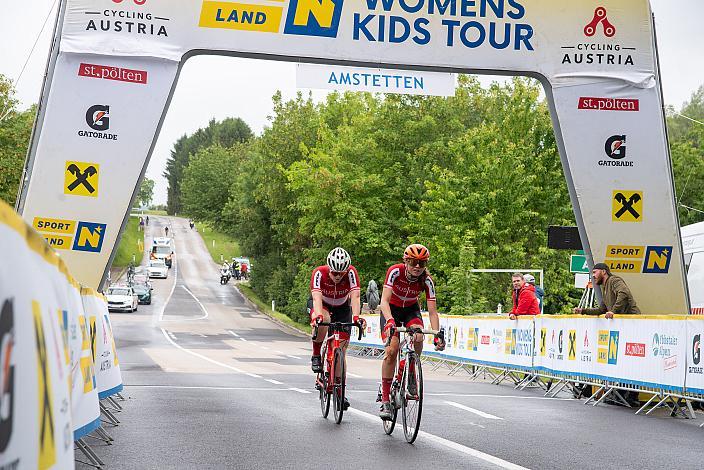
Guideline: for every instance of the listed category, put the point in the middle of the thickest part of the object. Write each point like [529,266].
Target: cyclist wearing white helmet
[334,288]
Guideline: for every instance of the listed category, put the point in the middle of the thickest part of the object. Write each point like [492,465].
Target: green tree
[15,133]
[146,192]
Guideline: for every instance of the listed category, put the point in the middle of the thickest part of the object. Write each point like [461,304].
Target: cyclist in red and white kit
[334,288]
[400,306]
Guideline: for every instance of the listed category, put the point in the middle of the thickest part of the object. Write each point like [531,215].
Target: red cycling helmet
[416,251]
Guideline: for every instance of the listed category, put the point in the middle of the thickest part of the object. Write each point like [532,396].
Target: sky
[220,87]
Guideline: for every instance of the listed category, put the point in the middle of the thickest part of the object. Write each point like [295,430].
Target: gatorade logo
[313,17]
[89,237]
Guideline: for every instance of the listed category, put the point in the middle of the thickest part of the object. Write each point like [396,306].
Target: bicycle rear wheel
[412,405]
[338,389]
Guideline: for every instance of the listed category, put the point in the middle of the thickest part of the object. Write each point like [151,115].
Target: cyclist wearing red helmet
[334,288]
[404,284]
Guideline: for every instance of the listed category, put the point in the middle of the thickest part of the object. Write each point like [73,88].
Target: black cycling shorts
[403,315]
[340,313]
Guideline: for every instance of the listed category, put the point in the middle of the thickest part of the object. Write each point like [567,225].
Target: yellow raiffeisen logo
[241,16]
[47,439]
[638,259]
[627,206]
[81,179]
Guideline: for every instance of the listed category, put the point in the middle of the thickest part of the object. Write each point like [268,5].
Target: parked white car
[121,298]
[157,268]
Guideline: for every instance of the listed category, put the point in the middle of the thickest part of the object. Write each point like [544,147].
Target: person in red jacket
[524,300]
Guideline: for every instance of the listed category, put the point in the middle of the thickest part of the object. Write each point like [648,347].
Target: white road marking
[200,387]
[292,357]
[279,352]
[275,382]
[173,287]
[254,375]
[202,335]
[472,410]
[205,312]
[264,347]
[242,339]
[450,444]
[233,333]
[299,390]
[205,358]
[354,375]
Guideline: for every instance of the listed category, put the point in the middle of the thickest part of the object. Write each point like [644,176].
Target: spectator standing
[524,300]
[539,291]
[616,296]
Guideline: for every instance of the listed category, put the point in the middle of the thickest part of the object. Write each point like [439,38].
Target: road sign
[578,264]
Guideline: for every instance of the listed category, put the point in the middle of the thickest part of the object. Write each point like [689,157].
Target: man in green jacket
[616,296]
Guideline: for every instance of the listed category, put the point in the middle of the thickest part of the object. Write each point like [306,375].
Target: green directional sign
[578,264]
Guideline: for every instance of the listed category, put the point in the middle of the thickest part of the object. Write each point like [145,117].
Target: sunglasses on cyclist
[338,273]
[417,262]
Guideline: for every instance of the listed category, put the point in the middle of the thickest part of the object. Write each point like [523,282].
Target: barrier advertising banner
[648,352]
[116,62]
[695,367]
[107,367]
[492,341]
[35,403]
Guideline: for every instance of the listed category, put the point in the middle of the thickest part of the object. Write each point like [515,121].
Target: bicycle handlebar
[411,330]
[337,326]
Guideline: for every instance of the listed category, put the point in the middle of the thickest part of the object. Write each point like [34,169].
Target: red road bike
[331,381]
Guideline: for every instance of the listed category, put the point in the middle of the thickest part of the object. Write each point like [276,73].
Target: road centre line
[254,375]
[354,375]
[242,339]
[275,382]
[205,312]
[205,358]
[292,357]
[233,333]
[473,410]
[173,288]
[450,444]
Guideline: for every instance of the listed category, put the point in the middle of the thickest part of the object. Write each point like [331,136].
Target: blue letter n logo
[313,17]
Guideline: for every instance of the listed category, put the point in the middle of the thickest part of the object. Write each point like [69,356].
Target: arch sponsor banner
[548,37]
[330,77]
[35,403]
[117,62]
[107,366]
[99,127]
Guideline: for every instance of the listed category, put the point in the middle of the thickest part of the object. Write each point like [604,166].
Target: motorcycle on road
[224,275]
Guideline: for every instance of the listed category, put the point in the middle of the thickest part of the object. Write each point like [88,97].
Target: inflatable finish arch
[115,63]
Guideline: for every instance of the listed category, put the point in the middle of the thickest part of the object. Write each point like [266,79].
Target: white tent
[693,244]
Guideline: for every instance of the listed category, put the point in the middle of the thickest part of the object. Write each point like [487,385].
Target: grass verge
[218,243]
[249,293]
[131,244]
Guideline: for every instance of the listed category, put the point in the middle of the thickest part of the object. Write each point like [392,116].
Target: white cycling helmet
[529,278]
[339,260]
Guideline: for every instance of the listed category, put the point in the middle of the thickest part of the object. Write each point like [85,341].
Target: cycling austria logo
[453,23]
[597,45]
[70,234]
[126,18]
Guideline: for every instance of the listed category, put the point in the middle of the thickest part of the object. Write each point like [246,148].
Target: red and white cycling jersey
[333,294]
[404,292]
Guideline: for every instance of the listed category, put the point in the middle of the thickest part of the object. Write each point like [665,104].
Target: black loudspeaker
[564,238]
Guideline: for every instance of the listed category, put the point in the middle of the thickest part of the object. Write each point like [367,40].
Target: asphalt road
[211,383]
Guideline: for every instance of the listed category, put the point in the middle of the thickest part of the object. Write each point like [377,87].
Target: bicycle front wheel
[338,389]
[324,395]
[412,403]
